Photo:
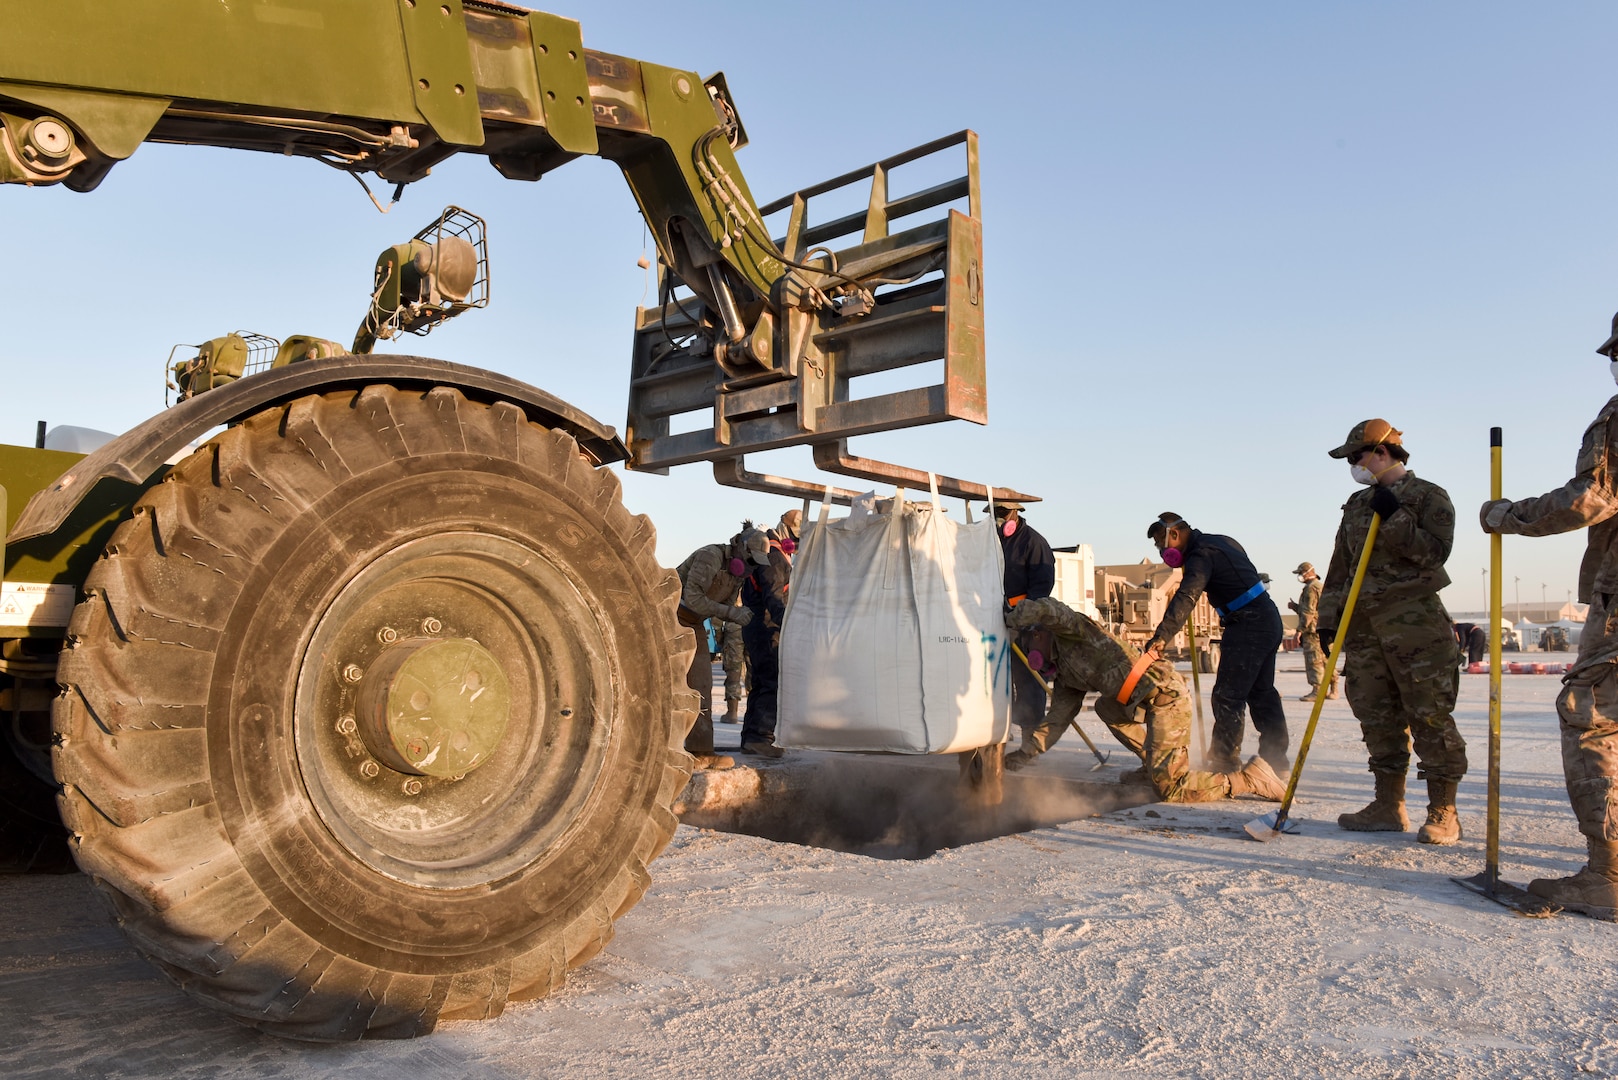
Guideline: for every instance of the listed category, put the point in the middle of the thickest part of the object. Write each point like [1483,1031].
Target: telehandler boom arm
[773,328]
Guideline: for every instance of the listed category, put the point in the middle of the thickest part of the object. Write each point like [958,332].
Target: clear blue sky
[1216,236]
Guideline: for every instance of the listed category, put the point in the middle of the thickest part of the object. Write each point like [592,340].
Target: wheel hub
[431,707]
[409,766]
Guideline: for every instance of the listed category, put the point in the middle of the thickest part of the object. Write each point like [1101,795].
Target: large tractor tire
[373,714]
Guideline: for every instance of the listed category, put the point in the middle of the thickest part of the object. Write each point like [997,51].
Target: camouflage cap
[1368,433]
[1001,509]
[1612,342]
[757,546]
[1304,568]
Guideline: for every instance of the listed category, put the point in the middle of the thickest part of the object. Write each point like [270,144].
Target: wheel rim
[494,598]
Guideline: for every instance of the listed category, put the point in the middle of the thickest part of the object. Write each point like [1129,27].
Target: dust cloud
[890,810]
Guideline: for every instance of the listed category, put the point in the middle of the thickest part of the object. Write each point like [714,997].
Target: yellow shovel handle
[1491,866]
[1331,666]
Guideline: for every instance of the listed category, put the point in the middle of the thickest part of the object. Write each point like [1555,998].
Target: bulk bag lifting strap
[894,638]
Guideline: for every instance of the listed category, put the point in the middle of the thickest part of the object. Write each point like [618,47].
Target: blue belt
[1243,600]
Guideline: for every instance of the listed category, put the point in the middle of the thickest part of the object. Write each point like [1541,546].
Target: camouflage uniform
[733,658]
[707,590]
[1401,660]
[1588,704]
[1307,607]
[1090,660]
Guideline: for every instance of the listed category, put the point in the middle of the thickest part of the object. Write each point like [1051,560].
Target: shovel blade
[1269,826]
[1508,895]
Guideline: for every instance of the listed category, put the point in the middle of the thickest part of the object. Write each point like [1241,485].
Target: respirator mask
[1041,651]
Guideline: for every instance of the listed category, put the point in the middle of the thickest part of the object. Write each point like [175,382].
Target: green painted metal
[218,361]
[431,707]
[63,557]
[388,86]
[307,56]
[115,123]
[441,67]
[682,117]
[558,52]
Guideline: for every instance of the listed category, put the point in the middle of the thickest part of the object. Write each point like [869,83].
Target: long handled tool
[1101,759]
[1196,686]
[1488,883]
[1268,826]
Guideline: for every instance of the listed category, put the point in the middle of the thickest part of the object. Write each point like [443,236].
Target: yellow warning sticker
[26,603]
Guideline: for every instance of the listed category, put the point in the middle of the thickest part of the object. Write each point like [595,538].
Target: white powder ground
[1157,941]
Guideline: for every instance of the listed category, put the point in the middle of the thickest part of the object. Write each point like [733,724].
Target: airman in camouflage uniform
[710,585]
[1079,657]
[1307,607]
[1401,657]
[1588,704]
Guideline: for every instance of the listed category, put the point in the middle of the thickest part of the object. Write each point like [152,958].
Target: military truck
[369,712]
[1132,598]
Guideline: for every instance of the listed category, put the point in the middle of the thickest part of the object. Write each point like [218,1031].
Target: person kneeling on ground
[1078,657]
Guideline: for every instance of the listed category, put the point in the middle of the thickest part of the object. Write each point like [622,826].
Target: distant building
[1541,614]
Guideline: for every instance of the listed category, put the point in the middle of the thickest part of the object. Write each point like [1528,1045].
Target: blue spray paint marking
[997,658]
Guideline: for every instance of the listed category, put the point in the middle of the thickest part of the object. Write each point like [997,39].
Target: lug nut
[347,725]
[412,787]
[387,635]
[430,625]
[369,770]
[353,673]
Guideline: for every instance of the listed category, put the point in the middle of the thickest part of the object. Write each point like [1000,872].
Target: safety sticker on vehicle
[26,603]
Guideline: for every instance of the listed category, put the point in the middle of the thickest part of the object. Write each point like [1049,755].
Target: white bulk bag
[894,637]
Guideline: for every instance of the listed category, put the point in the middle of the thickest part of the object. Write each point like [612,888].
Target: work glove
[739,615]
[1384,502]
[1493,514]
[1153,648]
[1293,604]
[1017,620]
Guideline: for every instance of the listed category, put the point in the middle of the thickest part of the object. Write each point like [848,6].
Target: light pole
[1516,597]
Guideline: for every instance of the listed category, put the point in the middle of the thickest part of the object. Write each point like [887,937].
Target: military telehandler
[369,712]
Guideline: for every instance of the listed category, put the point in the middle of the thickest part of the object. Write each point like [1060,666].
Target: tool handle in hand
[1492,846]
[1331,666]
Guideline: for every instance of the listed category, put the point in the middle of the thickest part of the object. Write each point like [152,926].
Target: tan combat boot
[1593,891]
[711,762]
[1443,825]
[1257,778]
[1386,813]
[733,712]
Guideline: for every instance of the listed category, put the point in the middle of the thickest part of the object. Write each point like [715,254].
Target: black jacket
[764,590]
[1213,564]
[1030,566]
